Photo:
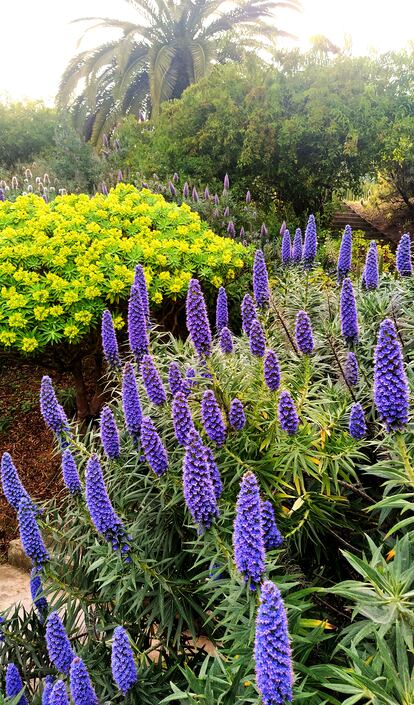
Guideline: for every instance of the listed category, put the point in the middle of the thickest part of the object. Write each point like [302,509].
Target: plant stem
[400,442]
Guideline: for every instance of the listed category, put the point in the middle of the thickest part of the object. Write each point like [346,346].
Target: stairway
[347,216]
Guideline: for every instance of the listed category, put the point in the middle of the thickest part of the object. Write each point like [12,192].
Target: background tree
[171,46]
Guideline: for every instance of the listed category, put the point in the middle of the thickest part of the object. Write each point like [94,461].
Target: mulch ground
[24,435]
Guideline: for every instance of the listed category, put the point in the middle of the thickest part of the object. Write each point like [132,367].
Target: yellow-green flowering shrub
[63,263]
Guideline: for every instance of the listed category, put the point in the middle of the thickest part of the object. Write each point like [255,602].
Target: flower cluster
[371,274]
[303,333]
[248,541]
[124,670]
[152,381]
[131,402]
[198,487]
[288,417]
[58,644]
[213,421]
[197,320]
[182,419]
[271,535]
[109,434]
[102,513]
[391,393]
[348,311]
[311,243]
[271,370]
[153,448]
[345,254]
[403,257]
[260,280]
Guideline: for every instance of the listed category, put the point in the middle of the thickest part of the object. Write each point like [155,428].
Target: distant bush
[26,130]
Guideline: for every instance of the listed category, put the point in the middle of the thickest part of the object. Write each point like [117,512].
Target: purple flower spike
[58,695]
[153,448]
[297,247]
[175,177]
[287,414]
[249,551]
[182,419]
[272,652]
[391,391]
[14,684]
[194,195]
[231,230]
[345,254]
[206,194]
[173,190]
[81,688]
[120,176]
[212,417]
[30,535]
[357,425]
[371,273]
[271,534]
[59,649]
[351,371]
[348,311]
[140,282]
[175,379]
[103,515]
[260,280]
[198,485]
[222,313]
[248,197]
[36,590]
[216,200]
[242,233]
[137,325]
[226,182]
[47,690]
[109,341]
[214,473]
[197,320]
[123,665]
[271,370]
[286,253]
[303,333]
[186,190]
[403,257]
[226,341]
[237,417]
[49,406]
[152,381]
[131,402]
[109,434]
[248,312]
[263,231]
[70,473]
[257,339]
[311,243]
[11,483]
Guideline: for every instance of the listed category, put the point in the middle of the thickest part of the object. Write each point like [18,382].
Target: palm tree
[172,44]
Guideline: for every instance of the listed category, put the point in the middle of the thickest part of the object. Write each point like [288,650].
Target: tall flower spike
[303,333]
[297,247]
[58,645]
[249,551]
[175,379]
[348,311]
[226,341]
[197,320]
[206,193]
[357,425]
[109,434]
[263,231]
[287,414]
[36,590]
[345,254]
[257,339]
[123,666]
[231,230]
[103,515]
[70,473]
[198,485]
[81,688]
[271,534]
[286,253]
[14,684]
[140,282]
[47,689]
[248,312]
[182,419]
[152,381]
[186,190]
[248,197]
[272,652]
[131,403]
[109,341]
[194,195]
[153,448]
[371,274]
[260,280]
[30,535]
[11,483]
[58,695]
[137,325]
[222,313]
[237,417]
[49,406]
[226,182]
[310,245]
[212,417]
[403,256]
[391,391]
[351,370]
[214,473]
[271,370]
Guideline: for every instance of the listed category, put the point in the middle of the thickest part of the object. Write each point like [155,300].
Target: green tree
[26,130]
[171,46]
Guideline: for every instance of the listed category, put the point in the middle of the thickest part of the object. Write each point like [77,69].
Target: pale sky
[37,39]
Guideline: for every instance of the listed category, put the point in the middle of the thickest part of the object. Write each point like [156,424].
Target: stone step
[14,587]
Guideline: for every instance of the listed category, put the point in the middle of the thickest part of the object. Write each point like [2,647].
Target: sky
[37,39]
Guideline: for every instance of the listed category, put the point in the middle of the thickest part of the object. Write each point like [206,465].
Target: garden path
[14,587]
